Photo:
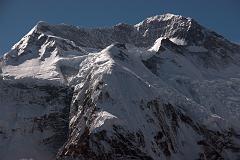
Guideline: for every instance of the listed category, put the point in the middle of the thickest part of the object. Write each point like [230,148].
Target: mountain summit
[165,88]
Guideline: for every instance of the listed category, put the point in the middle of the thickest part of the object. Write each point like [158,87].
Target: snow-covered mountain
[165,88]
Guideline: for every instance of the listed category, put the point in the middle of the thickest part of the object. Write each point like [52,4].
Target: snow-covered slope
[33,120]
[165,88]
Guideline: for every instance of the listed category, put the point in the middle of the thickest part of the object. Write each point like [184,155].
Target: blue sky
[17,17]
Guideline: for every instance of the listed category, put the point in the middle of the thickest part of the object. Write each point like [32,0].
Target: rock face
[165,88]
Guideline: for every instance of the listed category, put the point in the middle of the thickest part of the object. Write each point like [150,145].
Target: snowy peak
[39,27]
[50,48]
[161,18]
[47,45]
[144,33]
[116,50]
[182,30]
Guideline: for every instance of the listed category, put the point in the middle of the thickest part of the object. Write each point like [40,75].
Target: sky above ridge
[17,17]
